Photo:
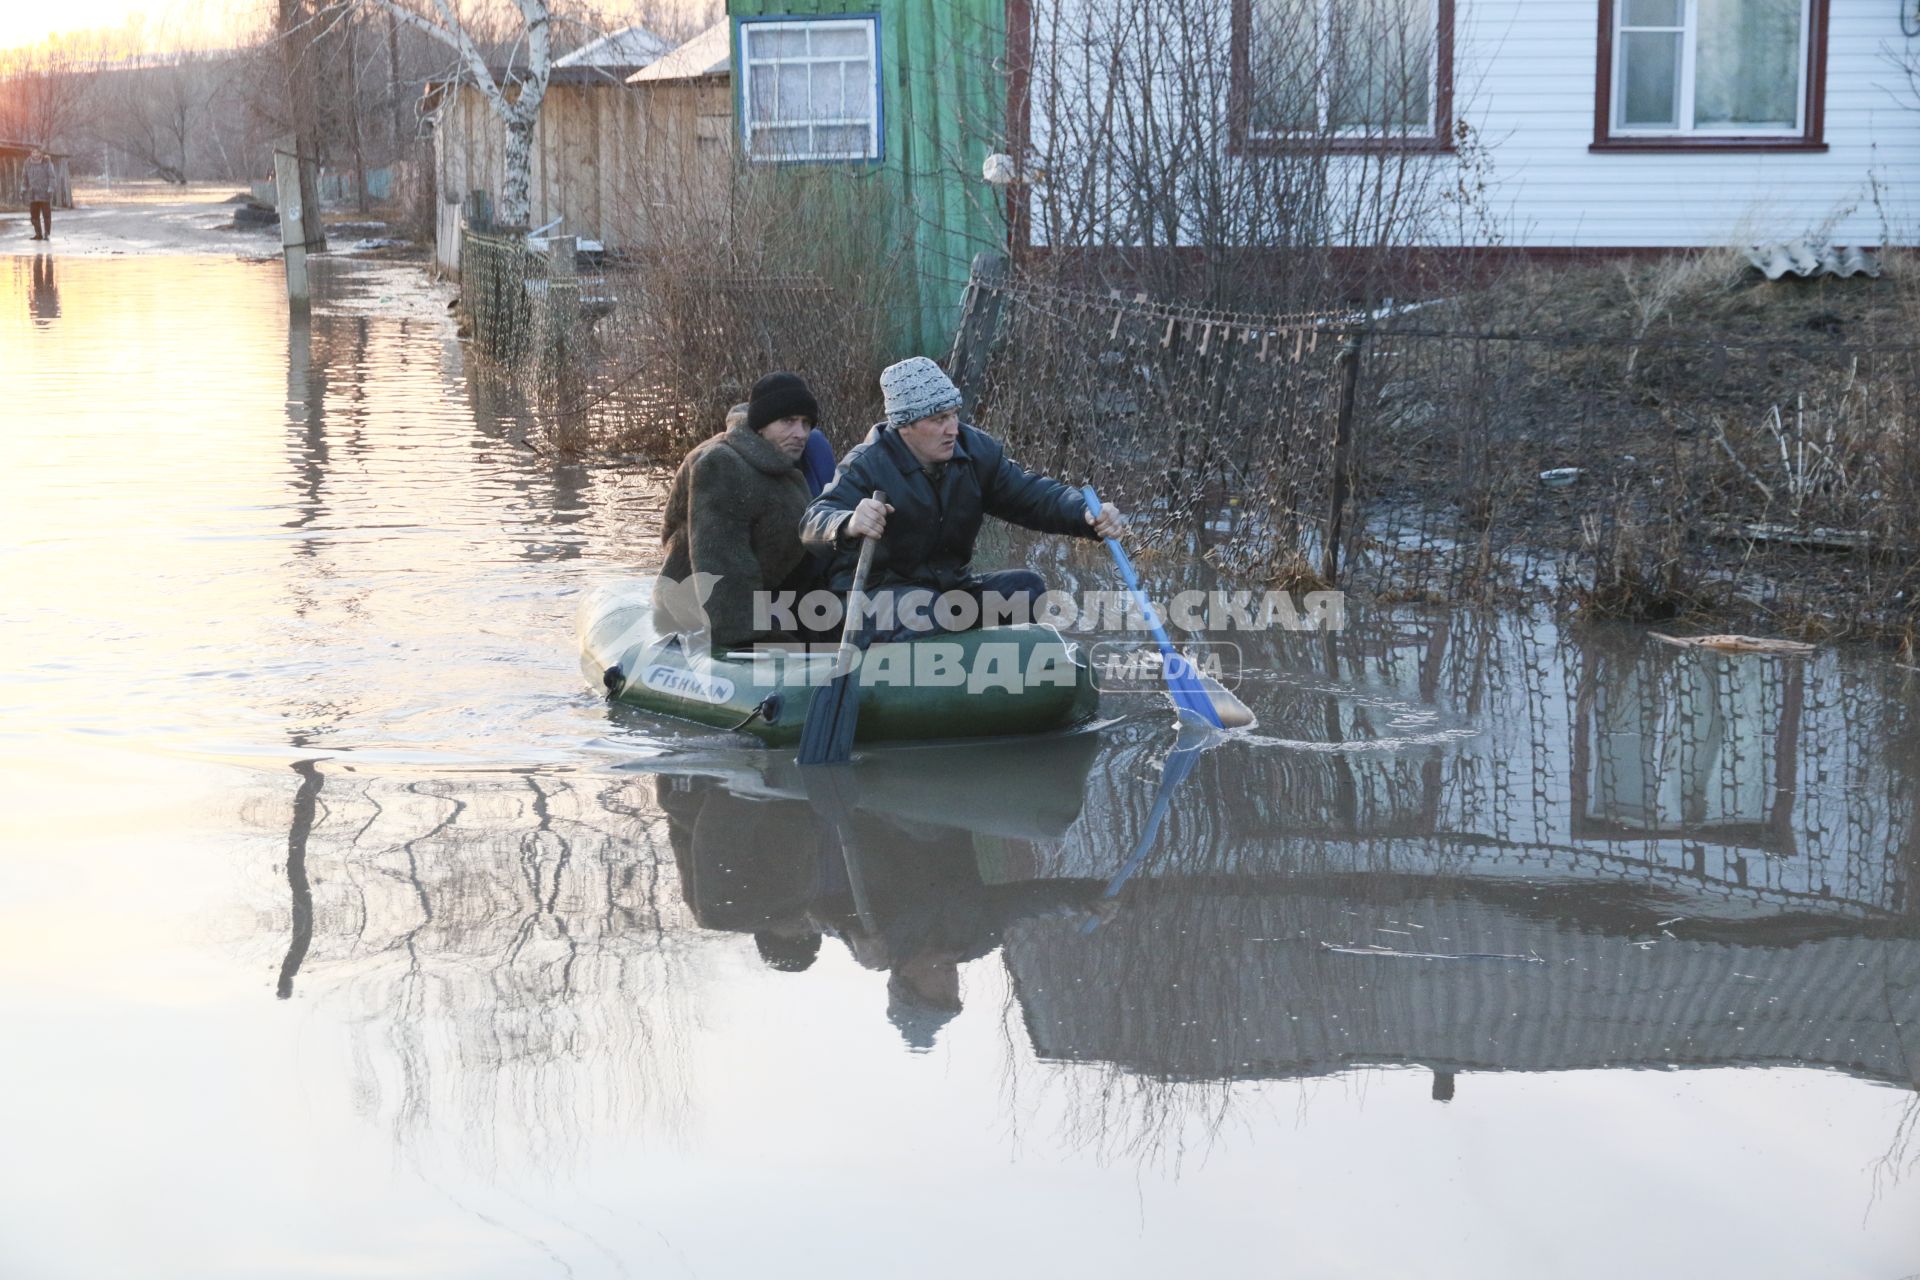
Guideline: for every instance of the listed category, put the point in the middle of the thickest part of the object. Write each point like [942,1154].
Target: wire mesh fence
[1414,454]
[522,300]
[496,307]
[1444,450]
[1224,420]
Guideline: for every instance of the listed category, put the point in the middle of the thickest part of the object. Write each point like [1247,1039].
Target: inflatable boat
[993,682]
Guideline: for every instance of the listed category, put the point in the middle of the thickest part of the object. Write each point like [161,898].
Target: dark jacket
[40,181]
[930,534]
[734,510]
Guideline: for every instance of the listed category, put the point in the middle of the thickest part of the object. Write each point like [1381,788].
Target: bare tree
[153,113]
[514,87]
[45,91]
[1179,143]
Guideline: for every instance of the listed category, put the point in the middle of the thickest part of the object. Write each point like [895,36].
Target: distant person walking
[40,183]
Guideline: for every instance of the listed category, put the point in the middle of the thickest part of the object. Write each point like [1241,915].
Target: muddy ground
[1715,445]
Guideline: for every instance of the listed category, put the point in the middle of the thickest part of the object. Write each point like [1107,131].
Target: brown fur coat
[734,510]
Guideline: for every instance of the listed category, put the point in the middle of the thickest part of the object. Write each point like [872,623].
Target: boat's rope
[769,708]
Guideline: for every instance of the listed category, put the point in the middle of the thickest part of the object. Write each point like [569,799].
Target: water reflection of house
[1507,748]
[1226,984]
[1683,743]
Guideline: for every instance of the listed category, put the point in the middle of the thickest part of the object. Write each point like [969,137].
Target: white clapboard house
[1572,125]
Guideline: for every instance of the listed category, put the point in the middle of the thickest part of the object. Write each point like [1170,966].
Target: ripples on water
[341,930]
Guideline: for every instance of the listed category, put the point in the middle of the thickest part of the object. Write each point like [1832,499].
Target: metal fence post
[1349,364]
[563,296]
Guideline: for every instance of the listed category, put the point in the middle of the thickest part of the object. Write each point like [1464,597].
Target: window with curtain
[810,89]
[1710,67]
[1343,68]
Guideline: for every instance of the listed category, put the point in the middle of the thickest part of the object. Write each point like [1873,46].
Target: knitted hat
[916,1018]
[780,395]
[916,389]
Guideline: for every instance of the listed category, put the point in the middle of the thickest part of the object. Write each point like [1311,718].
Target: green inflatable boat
[994,682]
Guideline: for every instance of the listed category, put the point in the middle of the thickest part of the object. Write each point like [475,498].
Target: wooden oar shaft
[856,602]
[833,716]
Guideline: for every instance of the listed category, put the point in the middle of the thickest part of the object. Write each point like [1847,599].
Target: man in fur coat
[734,513]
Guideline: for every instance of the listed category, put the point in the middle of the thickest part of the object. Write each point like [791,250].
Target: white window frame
[1323,90]
[750,28]
[1684,104]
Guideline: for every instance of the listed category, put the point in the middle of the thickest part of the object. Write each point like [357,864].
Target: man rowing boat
[942,478]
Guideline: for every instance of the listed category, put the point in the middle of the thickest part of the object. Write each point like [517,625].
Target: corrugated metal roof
[1805,259]
[708,54]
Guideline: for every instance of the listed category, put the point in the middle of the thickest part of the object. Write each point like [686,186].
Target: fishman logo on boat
[681,683]
[1123,667]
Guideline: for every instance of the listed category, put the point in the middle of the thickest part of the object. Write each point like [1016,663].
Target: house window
[1745,74]
[810,89]
[1348,74]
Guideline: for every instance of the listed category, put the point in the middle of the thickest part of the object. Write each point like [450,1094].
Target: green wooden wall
[943,102]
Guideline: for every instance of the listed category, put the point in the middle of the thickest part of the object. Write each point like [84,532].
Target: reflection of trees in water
[503,946]
[1903,1149]
[508,951]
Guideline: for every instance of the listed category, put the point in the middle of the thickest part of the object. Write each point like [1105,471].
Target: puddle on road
[341,929]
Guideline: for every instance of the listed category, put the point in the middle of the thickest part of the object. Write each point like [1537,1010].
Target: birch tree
[515,95]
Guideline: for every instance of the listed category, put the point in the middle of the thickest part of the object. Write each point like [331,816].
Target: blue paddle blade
[1173,772]
[1183,686]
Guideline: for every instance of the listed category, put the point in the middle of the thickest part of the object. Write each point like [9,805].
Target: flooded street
[344,931]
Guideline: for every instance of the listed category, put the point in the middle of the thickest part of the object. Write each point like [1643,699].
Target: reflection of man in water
[776,870]
[43,298]
[770,867]
[747,866]
[933,913]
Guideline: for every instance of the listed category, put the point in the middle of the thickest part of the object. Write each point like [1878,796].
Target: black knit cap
[780,395]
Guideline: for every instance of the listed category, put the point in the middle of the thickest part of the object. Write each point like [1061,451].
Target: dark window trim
[1811,139]
[1241,140]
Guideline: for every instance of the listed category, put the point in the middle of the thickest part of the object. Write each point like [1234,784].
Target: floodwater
[344,932]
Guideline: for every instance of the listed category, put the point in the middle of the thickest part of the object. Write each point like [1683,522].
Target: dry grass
[1743,445]
[708,311]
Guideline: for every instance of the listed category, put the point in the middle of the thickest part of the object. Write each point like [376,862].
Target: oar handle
[1127,573]
[856,601]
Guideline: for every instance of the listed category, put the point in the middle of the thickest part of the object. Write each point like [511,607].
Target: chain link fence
[1415,454]
[522,300]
